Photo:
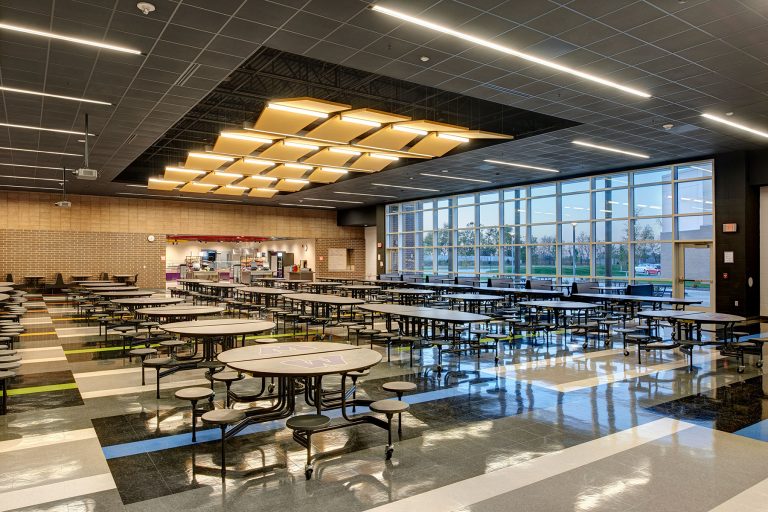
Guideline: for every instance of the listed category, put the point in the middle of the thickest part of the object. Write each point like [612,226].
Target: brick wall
[356,256]
[109,234]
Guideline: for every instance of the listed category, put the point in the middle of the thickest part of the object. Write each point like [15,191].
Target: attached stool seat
[389,408]
[303,426]
[227,378]
[222,418]
[194,395]
[354,375]
[399,388]
[158,363]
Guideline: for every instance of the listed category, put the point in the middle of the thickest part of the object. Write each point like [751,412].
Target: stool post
[223,451]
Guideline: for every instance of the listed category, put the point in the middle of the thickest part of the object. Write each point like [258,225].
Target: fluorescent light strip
[607,148]
[344,151]
[57,96]
[211,157]
[265,178]
[307,205]
[509,51]
[31,166]
[40,151]
[405,187]
[454,178]
[169,182]
[300,145]
[331,169]
[298,166]
[296,110]
[182,169]
[36,188]
[384,157]
[249,138]
[256,161]
[523,166]
[60,37]
[291,180]
[137,186]
[30,178]
[365,122]
[40,129]
[227,174]
[408,129]
[332,200]
[267,190]
[362,194]
[735,125]
[237,187]
[454,138]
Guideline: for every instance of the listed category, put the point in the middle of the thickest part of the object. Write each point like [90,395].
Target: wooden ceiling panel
[262,192]
[370,163]
[206,161]
[286,171]
[290,185]
[327,156]
[231,190]
[321,175]
[432,126]
[387,138]
[434,145]
[250,166]
[181,174]
[281,151]
[242,142]
[156,184]
[274,119]
[220,178]
[257,181]
[197,188]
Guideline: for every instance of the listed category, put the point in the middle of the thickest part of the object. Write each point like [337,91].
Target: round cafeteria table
[124,294]
[4,297]
[101,284]
[609,289]
[471,301]
[212,329]
[6,289]
[441,286]
[293,284]
[323,302]
[179,312]
[7,283]
[123,288]
[269,294]
[409,296]
[146,302]
[558,306]
[322,286]
[360,291]
[222,289]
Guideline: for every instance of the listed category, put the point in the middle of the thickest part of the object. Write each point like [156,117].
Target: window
[694,196]
[653,200]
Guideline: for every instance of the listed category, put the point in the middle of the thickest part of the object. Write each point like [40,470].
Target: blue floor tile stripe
[757,431]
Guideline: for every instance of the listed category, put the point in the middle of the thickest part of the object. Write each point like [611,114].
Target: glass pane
[427,221]
[466,215]
[659,228]
[543,210]
[489,260]
[611,260]
[694,196]
[514,260]
[514,212]
[428,260]
[392,224]
[443,203]
[574,260]
[392,260]
[393,240]
[466,260]
[429,238]
[444,259]
[408,240]
[543,234]
[612,203]
[579,229]
[408,257]
[574,186]
[543,260]
[465,237]
[699,170]
[614,180]
[653,176]
[695,227]
[489,197]
[444,238]
[514,234]
[653,260]
[515,193]
[653,200]
[543,190]
[575,207]
[444,219]
[468,199]
[426,205]
[612,231]
[489,214]
[696,273]
[393,208]
[488,236]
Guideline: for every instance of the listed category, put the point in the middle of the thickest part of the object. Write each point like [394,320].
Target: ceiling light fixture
[57,96]
[408,129]
[523,166]
[509,51]
[260,177]
[40,129]
[209,156]
[735,125]
[331,169]
[301,145]
[25,186]
[404,187]
[31,166]
[227,174]
[182,169]
[296,110]
[292,180]
[238,187]
[344,151]
[454,178]
[362,194]
[249,138]
[608,148]
[30,178]
[455,138]
[357,120]
[70,39]
[256,161]
[40,151]
[332,200]
[384,157]
[264,189]
[307,205]
[299,166]
[169,182]
[136,186]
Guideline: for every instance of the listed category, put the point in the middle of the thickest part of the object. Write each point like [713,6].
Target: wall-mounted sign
[728,257]
[729,228]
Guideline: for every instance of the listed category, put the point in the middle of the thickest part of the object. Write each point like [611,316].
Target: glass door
[695,273]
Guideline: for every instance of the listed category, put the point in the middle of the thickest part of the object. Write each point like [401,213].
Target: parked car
[648,269]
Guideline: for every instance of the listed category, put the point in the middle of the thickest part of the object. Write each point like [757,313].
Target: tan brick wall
[357,256]
[109,234]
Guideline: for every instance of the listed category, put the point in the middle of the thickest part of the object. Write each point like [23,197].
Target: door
[694,267]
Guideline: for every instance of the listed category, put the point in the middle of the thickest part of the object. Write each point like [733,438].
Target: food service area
[347,255]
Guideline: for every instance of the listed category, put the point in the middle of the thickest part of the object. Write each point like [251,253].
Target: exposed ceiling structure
[692,58]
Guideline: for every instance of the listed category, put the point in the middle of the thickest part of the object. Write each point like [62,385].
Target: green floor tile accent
[42,389]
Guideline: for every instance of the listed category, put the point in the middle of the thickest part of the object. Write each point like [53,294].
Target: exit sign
[729,228]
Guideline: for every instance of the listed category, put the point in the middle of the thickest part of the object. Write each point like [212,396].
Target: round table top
[495,289]
[409,291]
[360,287]
[559,304]
[472,296]
[324,283]
[218,327]
[212,284]
[270,279]
[188,311]
[4,297]
[664,313]
[441,315]
[290,281]
[614,287]
[713,318]
[101,284]
[440,285]
[7,283]
[147,301]
[636,298]
[100,289]
[190,280]
[95,282]
[6,289]
[130,293]
[266,290]
[303,359]
[322,298]
[530,291]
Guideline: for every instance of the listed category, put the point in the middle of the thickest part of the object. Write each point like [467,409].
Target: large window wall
[619,226]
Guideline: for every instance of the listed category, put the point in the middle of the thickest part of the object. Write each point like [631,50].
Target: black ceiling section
[271,74]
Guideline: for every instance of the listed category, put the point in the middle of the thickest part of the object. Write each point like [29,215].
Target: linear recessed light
[136,186]
[40,129]
[357,120]
[524,166]
[249,138]
[31,166]
[384,157]
[308,205]
[40,151]
[256,161]
[296,110]
[182,169]
[264,189]
[453,178]
[209,156]
[332,200]
[735,125]
[169,182]
[292,180]
[47,95]
[404,187]
[29,178]
[227,174]
[362,194]
[25,186]
[608,148]
[454,138]
[337,171]
[344,151]
[298,166]
[260,177]
[509,51]
[60,37]
[238,187]
[301,145]
[408,129]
